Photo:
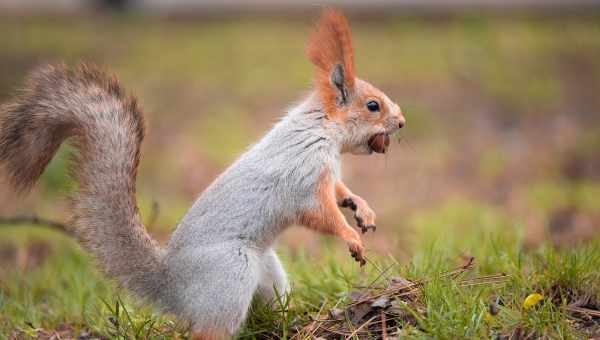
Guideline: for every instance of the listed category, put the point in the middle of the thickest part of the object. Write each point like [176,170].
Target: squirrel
[221,254]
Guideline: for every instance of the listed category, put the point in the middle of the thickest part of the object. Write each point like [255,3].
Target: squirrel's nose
[402,122]
[400,116]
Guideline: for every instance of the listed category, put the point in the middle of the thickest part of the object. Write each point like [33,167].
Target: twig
[484,280]
[587,311]
[317,321]
[382,272]
[62,227]
[359,328]
[414,286]
[384,335]
[35,220]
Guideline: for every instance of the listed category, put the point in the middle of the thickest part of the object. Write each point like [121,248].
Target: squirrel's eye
[373,106]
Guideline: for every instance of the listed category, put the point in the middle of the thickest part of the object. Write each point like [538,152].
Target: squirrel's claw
[364,227]
[356,253]
[361,214]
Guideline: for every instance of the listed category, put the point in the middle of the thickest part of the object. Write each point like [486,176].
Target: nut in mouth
[379,142]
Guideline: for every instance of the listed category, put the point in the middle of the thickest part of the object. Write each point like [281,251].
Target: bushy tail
[107,127]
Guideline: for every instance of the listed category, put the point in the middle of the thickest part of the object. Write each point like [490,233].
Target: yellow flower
[532,300]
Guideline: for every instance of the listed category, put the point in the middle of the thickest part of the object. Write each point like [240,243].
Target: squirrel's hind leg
[218,283]
[273,282]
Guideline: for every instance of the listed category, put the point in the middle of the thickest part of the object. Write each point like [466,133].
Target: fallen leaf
[532,300]
[381,302]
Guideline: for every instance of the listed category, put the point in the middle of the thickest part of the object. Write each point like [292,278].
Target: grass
[65,291]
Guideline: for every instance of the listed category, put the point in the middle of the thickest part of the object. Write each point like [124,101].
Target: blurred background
[502,100]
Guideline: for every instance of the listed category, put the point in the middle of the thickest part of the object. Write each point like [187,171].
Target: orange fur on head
[329,45]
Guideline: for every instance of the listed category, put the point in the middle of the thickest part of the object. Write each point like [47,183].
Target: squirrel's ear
[338,80]
[330,50]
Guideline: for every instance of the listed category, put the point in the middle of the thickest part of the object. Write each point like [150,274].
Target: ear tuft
[330,50]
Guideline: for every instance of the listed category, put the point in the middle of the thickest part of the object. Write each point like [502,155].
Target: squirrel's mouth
[379,142]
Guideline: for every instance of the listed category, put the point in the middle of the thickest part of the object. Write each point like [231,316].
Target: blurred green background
[502,110]
[503,118]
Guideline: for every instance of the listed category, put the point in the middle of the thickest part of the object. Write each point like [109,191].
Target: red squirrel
[221,253]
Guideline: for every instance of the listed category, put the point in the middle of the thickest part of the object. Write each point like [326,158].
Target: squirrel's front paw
[357,250]
[364,215]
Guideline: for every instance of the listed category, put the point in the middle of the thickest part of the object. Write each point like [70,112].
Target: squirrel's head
[366,114]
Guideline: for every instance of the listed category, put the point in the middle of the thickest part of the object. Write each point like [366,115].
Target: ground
[498,162]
